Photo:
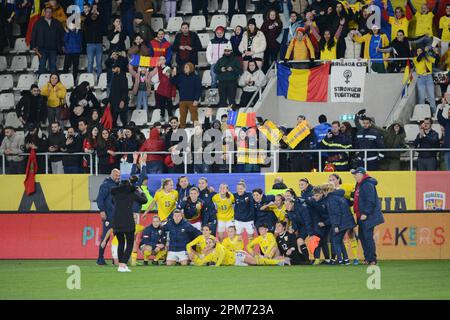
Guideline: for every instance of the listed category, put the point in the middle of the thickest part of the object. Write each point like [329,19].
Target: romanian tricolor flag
[241,119]
[34,17]
[271,132]
[297,134]
[143,61]
[303,84]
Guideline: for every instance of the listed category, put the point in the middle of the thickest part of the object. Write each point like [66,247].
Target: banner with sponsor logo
[77,236]
[432,190]
[347,80]
[53,192]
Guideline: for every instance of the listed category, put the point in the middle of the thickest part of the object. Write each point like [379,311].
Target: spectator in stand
[394,138]
[127,16]
[72,49]
[368,137]
[198,5]
[93,37]
[445,123]
[138,47]
[142,27]
[253,44]
[302,162]
[197,147]
[74,144]
[400,47]
[361,17]
[117,58]
[337,140]
[56,142]
[173,138]
[47,40]
[32,107]
[427,138]
[126,142]
[58,12]
[321,130]
[94,119]
[424,70]
[251,81]
[424,18]
[399,21]
[106,152]
[242,7]
[12,145]
[117,36]
[4,27]
[214,52]
[328,43]
[159,46]
[82,102]
[154,143]
[300,48]
[271,28]
[38,141]
[186,44]
[373,42]
[236,39]
[142,88]
[170,9]
[144,7]
[288,32]
[55,92]
[83,129]
[119,95]
[444,30]
[90,146]
[189,86]
[228,69]
[165,92]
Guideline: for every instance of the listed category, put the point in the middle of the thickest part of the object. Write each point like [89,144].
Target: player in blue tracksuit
[193,208]
[183,188]
[244,211]
[153,241]
[210,216]
[321,222]
[299,217]
[262,216]
[106,206]
[305,189]
[179,233]
[341,220]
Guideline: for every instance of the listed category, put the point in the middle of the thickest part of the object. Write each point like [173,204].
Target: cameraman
[123,223]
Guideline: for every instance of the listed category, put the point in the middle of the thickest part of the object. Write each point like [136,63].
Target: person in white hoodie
[251,81]
[214,51]
[253,44]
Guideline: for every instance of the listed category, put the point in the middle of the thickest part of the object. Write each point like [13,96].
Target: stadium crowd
[321,29]
[197,225]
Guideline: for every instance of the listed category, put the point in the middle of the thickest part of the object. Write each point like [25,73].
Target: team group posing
[189,218]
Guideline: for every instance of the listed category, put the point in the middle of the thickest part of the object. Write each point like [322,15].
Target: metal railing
[229,160]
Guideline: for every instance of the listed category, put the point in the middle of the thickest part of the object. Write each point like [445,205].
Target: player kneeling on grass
[153,241]
[199,243]
[267,247]
[233,242]
[179,233]
[341,220]
[287,244]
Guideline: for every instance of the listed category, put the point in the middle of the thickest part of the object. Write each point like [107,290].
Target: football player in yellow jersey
[336,180]
[233,242]
[277,207]
[224,201]
[166,200]
[195,247]
[267,243]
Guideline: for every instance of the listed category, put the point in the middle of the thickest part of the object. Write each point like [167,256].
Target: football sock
[354,246]
[133,257]
[147,254]
[160,255]
[304,251]
[266,261]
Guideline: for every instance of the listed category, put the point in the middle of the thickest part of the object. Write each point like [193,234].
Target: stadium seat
[202,114]
[43,79]
[217,20]
[437,127]
[12,120]
[421,111]
[157,23]
[6,101]
[206,79]
[238,20]
[204,39]
[18,63]
[185,7]
[25,81]
[6,82]
[259,18]
[3,63]
[220,112]
[83,62]
[156,116]
[60,62]
[101,85]
[130,81]
[34,64]
[151,100]
[20,46]
[174,24]
[139,117]
[89,77]
[411,130]
[67,80]
[198,23]
[202,61]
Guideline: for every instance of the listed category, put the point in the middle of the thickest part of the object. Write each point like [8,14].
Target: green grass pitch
[399,280]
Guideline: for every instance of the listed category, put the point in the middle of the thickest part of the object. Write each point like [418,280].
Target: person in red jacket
[165,92]
[155,162]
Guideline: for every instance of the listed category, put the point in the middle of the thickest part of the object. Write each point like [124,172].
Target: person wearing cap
[228,69]
[373,42]
[400,20]
[301,47]
[94,38]
[253,44]
[367,208]
[11,146]
[271,28]
[187,45]
[32,107]
[289,32]
[159,46]
[72,48]
[214,52]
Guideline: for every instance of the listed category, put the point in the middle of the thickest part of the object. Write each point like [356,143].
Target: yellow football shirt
[424,23]
[280,213]
[266,244]
[398,24]
[444,24]
[199,243]
[166,203]
[225,210]
[328,54]
[235,244]
[424,66]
